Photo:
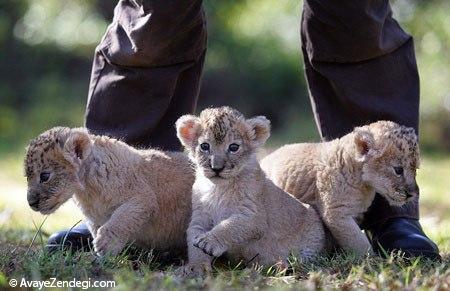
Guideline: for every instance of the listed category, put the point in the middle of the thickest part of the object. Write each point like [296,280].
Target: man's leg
[146,73]
[360,70]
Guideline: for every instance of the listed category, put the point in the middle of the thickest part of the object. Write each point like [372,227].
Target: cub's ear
[259,130]
[188,130]
[77,146]
[364,144]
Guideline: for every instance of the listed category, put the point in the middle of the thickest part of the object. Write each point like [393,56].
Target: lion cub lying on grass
[236,209]
[127,195]
[341,177]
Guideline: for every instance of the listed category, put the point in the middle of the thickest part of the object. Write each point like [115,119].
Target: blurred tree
[45,65]
[429,23]
[253,63]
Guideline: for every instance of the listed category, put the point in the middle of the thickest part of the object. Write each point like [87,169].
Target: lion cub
[236,209]
[127,195]
[340,177]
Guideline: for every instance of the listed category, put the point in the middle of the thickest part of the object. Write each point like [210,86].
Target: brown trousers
[359,63]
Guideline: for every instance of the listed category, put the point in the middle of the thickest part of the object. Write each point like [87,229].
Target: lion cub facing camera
[236,209]
[340,177]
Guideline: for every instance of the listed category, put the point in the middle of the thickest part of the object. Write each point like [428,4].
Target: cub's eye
[204,146]
[233,147]
[398,170]
[44,177]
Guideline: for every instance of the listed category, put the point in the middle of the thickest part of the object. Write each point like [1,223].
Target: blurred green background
[253,63]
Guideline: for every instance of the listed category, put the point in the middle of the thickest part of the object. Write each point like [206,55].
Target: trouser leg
[355,86]
[147,71]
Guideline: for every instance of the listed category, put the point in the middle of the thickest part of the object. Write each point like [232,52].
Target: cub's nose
[217,170]
[33,202]
[412,190]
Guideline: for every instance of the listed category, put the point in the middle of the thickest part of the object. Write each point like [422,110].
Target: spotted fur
[127,195]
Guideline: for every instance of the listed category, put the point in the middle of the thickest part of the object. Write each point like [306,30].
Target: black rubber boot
[78,238]
[406,235]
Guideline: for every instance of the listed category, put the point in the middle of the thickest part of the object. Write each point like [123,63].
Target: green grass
[22,253]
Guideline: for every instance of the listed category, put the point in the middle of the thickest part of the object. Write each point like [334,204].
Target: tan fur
[239,211]
[340,177]
[127,195]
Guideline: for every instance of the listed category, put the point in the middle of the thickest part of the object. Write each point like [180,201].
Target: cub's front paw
[193,270]
[106,242]
[209,244]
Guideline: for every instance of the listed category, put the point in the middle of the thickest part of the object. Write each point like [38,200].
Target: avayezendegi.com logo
[54,283]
